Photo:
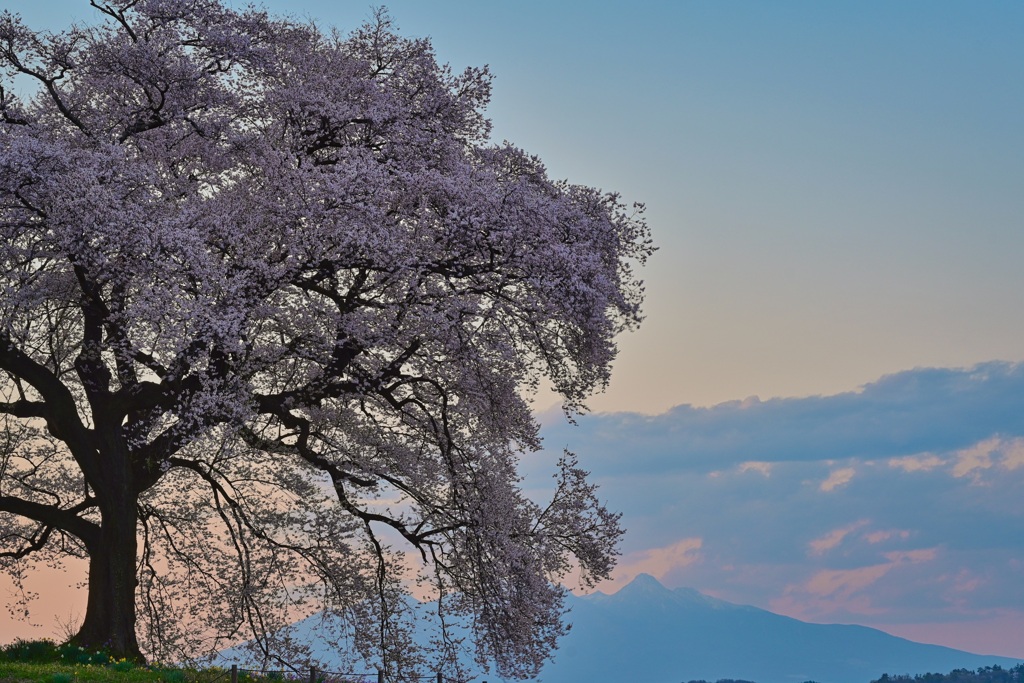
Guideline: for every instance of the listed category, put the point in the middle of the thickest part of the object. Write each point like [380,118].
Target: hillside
[649,633]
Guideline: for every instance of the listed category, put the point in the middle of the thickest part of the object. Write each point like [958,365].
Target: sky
[823,413]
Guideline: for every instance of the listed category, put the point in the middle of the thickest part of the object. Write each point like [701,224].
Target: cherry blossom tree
[271,303]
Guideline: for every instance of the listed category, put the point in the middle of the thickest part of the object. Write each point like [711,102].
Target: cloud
[830,591]
[890,501]
[764,468]
[882,536]
[917,463]
[977,457]
[996,451]
[659,562]
[837,478]
[1013,454]
[832,539]
[967,582]
[923,411]
[919,555]
[843,583]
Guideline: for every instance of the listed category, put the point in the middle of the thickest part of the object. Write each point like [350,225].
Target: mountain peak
[645,589]
[644,582]
[642,589]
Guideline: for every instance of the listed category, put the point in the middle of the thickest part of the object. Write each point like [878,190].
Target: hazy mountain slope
[648,631]
[650,634]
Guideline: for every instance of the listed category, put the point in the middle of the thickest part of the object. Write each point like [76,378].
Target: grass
[34,672]
[50,672]
[42,661]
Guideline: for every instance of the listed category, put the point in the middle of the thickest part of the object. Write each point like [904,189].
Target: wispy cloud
[977,457]
[837,478]
[764,468]
[919,555]
[822,544]
[846,591]
[884,535]
[917,463]
[843,583]
[660,562]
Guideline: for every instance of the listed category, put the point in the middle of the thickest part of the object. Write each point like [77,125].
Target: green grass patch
[29,672]
[123,672]
[29,651]
[42,661]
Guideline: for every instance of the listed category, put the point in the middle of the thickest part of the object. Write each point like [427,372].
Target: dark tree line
[986,674]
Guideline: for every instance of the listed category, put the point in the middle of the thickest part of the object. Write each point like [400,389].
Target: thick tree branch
[65,519]
[61,413]
[24,408]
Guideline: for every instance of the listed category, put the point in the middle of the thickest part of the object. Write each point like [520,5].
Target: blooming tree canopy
[270,302]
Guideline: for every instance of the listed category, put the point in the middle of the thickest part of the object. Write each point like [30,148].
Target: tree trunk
[109,623]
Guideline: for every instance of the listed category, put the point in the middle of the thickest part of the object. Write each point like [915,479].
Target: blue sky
[835,187]
[837,191]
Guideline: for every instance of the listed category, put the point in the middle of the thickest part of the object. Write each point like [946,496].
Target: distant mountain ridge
[648,633]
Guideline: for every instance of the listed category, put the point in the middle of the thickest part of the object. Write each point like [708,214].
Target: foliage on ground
[43,661]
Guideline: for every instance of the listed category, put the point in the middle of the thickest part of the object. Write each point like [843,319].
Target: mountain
[648,632]
[651,634]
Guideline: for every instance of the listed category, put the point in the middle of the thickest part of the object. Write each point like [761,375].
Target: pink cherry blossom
[271,303]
